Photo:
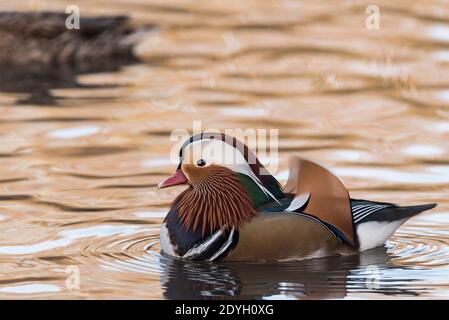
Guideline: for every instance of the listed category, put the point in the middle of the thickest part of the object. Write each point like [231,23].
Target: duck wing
[320,193]
[274,236]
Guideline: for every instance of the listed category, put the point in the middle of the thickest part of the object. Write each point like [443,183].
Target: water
[78,175]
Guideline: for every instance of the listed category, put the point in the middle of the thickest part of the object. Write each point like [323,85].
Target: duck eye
[201,163]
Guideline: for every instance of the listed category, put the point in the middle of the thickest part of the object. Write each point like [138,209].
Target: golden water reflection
[78,179]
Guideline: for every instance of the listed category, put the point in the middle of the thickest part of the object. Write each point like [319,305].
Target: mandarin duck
[234,210]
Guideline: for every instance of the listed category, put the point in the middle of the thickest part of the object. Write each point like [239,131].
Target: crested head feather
[218,201]
[253,168]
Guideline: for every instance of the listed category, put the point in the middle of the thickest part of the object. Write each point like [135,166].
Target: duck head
[226,183]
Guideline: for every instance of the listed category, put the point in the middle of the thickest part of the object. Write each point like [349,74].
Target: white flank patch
[373,234]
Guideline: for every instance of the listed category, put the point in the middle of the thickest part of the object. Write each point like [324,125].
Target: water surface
[78,176]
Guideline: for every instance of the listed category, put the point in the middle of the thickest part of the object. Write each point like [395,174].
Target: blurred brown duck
[38,53]
[41,38]
[236,211]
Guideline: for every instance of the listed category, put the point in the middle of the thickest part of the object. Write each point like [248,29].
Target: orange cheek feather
[217,200]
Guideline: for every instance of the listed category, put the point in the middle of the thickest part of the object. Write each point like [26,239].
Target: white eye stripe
[224,154]
[214,151]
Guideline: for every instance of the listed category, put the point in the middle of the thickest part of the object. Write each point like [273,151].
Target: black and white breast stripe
[361,211]
[192,244]
[214,247]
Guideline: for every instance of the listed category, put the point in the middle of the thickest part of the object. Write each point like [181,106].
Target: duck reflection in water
[325,278]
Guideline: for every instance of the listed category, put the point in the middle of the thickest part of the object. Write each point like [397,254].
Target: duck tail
[373,230]
[410,211]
